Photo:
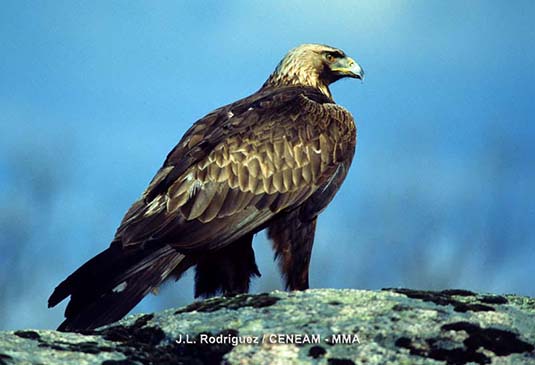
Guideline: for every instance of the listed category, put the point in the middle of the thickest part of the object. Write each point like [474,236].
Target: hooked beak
[348,67]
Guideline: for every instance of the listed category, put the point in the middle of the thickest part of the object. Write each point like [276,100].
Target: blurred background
[441,193]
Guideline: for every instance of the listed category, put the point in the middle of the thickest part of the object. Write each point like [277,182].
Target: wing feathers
[272,153]
[230,203]
[315,163]
[214,208]
[220,187]
[278,182]
[254,166]
[198,203]
[287,179]
[267,183]
[243,177]
[265,201]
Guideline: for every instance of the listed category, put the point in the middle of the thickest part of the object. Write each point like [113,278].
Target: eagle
[273,160]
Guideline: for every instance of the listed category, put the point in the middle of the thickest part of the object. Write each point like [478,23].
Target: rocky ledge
[323,326]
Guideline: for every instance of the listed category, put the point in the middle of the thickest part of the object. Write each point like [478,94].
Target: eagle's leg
[292,240]
[228,270]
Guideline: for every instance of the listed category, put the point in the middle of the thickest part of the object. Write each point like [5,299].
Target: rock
[322,326]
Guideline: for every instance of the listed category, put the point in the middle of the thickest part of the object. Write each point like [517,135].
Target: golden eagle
[272,160]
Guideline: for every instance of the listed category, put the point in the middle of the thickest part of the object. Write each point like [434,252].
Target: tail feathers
[109,285]
[92,274]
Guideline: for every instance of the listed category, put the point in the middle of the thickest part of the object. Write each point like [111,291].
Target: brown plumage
[272,160]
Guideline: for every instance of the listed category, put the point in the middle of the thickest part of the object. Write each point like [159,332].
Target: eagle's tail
[109,285]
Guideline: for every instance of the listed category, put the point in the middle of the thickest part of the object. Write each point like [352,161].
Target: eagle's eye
[329,57]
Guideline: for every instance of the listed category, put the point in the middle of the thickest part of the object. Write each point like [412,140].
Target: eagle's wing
[238,167]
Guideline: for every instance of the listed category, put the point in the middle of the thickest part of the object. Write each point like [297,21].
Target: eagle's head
[314,65]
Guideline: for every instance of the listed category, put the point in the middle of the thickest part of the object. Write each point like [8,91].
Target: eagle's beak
[348,67]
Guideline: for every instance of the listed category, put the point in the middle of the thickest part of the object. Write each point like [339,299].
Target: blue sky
[94,94]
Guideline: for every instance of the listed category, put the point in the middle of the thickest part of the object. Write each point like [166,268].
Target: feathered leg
[228,270]
[292,240]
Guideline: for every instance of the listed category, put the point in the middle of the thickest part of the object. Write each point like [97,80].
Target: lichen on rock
[321,326]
